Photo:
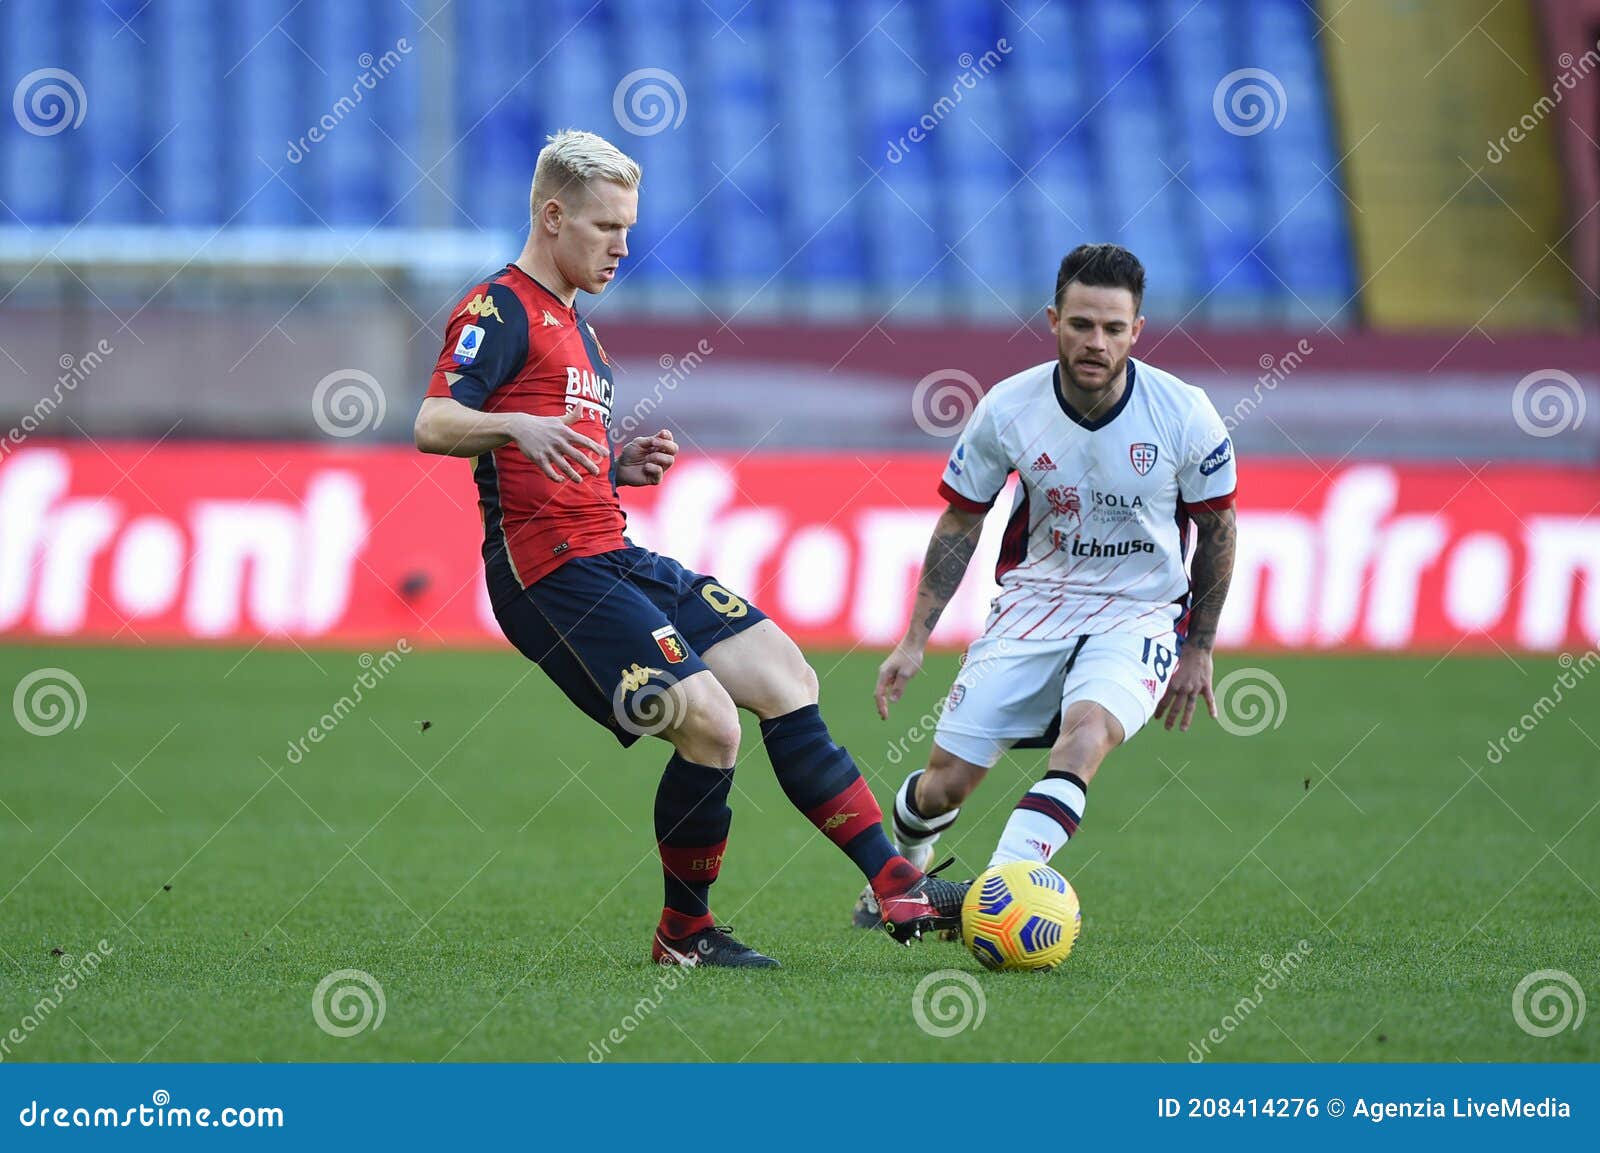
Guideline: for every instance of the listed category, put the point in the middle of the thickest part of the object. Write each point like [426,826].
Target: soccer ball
[1020,915]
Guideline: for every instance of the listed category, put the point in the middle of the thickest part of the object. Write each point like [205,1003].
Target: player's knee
[1086,737]
[708,733]
[946,783]
[806,685]
[785,683]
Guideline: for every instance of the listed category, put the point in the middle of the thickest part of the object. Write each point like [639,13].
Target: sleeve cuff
[964,503]
[1214,504]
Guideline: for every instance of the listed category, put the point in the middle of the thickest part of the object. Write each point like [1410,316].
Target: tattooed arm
[950,550]
[1210,574]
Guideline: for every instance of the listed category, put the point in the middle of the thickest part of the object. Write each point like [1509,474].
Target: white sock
[1043,821]
[915,834]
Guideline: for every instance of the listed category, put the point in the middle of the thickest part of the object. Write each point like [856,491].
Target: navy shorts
[615,631]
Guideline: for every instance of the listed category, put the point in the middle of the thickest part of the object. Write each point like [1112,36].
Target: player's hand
[1190,683]
[897,669]
[645,460]
[555,446]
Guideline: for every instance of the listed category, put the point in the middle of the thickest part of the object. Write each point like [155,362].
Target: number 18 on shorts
[1016,690]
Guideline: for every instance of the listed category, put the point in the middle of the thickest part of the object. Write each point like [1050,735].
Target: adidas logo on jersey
[1044,463]
[550,321]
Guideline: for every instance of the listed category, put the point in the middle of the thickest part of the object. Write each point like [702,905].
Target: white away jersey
[1099,525]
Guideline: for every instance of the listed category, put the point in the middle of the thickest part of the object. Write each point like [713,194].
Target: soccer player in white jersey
[1097,627]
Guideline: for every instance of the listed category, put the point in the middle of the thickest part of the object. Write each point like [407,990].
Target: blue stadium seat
[908,268]
[1137,151]
[740,111]
[826,156]
[114,141]
[37,171]
[1220,193]
[267,91]
[823,173]
[670,248]
[1309,248]
[498,114]
[975,146]
[1063,203]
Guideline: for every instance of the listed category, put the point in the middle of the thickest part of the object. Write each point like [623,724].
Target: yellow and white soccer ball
[1020,915]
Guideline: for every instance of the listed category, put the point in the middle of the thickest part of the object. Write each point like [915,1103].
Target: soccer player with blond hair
[641,644]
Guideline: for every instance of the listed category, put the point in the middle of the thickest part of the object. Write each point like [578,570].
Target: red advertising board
[240,542]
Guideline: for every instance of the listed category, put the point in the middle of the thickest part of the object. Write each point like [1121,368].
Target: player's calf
[1049,813]
[926,805]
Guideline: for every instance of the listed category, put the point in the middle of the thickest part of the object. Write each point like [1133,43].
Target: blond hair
[572,158]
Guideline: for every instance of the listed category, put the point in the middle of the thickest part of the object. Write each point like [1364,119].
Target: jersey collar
[559,303]
[1104,418]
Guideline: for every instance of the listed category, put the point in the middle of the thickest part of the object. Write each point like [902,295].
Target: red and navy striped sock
[822,781]
[1044,819]
[692,820]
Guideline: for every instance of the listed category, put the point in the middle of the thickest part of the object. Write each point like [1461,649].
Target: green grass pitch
[495,872]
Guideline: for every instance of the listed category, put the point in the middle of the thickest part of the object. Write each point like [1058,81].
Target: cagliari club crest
[1143,456]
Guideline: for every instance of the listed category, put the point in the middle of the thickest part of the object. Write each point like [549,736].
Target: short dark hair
[1101,266]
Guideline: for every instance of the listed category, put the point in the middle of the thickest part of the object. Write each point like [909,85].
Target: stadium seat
[820,156]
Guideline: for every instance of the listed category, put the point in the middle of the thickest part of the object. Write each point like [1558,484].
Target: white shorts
[1016,690]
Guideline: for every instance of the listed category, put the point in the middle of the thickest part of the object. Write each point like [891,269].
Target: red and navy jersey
[513,346]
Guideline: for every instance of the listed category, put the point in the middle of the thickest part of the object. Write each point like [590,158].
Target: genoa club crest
[670,643]
[1143,455]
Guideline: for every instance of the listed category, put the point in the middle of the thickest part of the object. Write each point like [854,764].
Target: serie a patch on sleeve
[468,344]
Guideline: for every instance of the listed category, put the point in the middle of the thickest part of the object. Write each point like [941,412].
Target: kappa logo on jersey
[1220,456]
[1064,501]
[468,344]
[550,321]
[1143,457]
[483,305]
[670,644]
[1044,463]
[638,676]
